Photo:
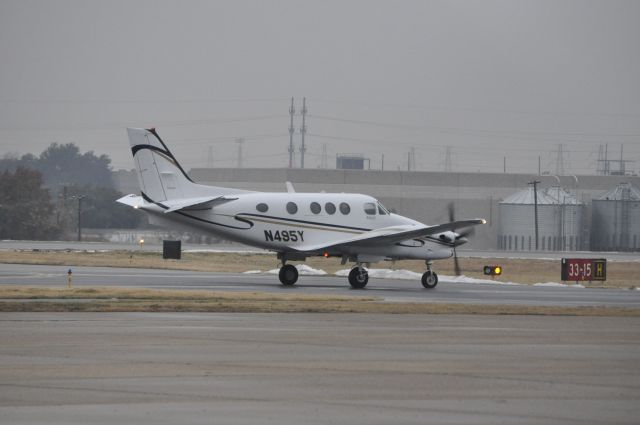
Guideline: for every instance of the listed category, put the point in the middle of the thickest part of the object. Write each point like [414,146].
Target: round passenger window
[330,208]
[262,207]
[315,208]
[292,208]
[345,208]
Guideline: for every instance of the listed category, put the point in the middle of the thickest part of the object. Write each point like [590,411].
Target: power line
[472,131]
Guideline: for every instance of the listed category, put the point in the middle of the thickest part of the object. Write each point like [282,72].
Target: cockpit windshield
[382,210]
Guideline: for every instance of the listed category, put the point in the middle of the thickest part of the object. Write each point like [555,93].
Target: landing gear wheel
[288,275]
[358,278]
[429,280]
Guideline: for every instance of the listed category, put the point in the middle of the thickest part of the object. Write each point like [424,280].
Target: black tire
[288,275]
[429,280]
[358,278]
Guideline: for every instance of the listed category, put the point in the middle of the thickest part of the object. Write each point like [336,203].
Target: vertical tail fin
[160,175]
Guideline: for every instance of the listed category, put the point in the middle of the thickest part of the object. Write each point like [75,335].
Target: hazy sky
[488,79]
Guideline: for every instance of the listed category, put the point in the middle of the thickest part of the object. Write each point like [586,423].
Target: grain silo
[615,219]
[559,221]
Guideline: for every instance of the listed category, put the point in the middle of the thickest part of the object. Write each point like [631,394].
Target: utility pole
[292,111]
[303,131]
[240,141]
[504,164]
[79,198]
[535,206]
[382,166]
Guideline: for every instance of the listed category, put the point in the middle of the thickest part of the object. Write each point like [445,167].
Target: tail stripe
[168,152]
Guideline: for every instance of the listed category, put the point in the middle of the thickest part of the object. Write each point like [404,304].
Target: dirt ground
[619,274]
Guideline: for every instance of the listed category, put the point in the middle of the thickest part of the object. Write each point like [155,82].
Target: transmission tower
[560,161]
[210,157]
[303,131]
[324,162]
[240,141]
[411,159]
[447,160]
[292,151]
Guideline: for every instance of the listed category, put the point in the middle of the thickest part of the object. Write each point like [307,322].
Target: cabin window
[369,208]
[315,208]
[330,208]
[292,208]
[345,208]
[262,207]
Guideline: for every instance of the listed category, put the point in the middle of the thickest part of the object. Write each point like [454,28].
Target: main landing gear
[358,277]
[429,278]
[288,275]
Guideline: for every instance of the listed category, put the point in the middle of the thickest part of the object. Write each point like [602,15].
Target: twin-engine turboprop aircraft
[354,227]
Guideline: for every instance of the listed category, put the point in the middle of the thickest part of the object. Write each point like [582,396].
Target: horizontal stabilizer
[134,201]
[200,203]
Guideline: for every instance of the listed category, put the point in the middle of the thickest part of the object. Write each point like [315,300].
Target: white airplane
[354,227]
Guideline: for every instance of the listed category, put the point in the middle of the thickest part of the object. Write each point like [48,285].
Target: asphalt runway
[179,368]
[388,289]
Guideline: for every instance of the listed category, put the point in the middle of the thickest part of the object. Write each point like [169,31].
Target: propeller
[452,217]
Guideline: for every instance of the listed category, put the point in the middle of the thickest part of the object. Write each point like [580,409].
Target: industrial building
[616,219]
[559,221]
[425,196]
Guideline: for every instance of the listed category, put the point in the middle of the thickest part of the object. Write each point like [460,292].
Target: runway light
[492,270]
[325,255]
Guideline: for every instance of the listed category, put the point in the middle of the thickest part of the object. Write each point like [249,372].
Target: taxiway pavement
[179,368]
[389,289]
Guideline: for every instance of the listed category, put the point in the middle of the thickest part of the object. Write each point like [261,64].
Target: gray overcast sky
[486,78]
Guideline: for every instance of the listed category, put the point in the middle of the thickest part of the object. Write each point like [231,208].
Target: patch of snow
[224,251]
[252,272]
[303,270]
[558,285]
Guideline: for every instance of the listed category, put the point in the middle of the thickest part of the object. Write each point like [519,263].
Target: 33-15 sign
[581,269]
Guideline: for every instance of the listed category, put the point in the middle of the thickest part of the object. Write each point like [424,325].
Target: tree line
[39,195]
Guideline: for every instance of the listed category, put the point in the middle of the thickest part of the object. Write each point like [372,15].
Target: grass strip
[35,299]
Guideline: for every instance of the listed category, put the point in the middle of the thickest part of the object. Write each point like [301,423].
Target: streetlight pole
[535,207]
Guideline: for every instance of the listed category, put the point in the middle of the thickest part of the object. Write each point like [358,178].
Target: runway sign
[583,269]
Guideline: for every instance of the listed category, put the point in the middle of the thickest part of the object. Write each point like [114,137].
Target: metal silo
[615,219]
[559,221]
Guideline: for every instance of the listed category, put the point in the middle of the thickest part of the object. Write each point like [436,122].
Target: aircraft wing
[394,234]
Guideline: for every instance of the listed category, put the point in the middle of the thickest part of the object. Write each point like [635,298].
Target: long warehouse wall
[423,196]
